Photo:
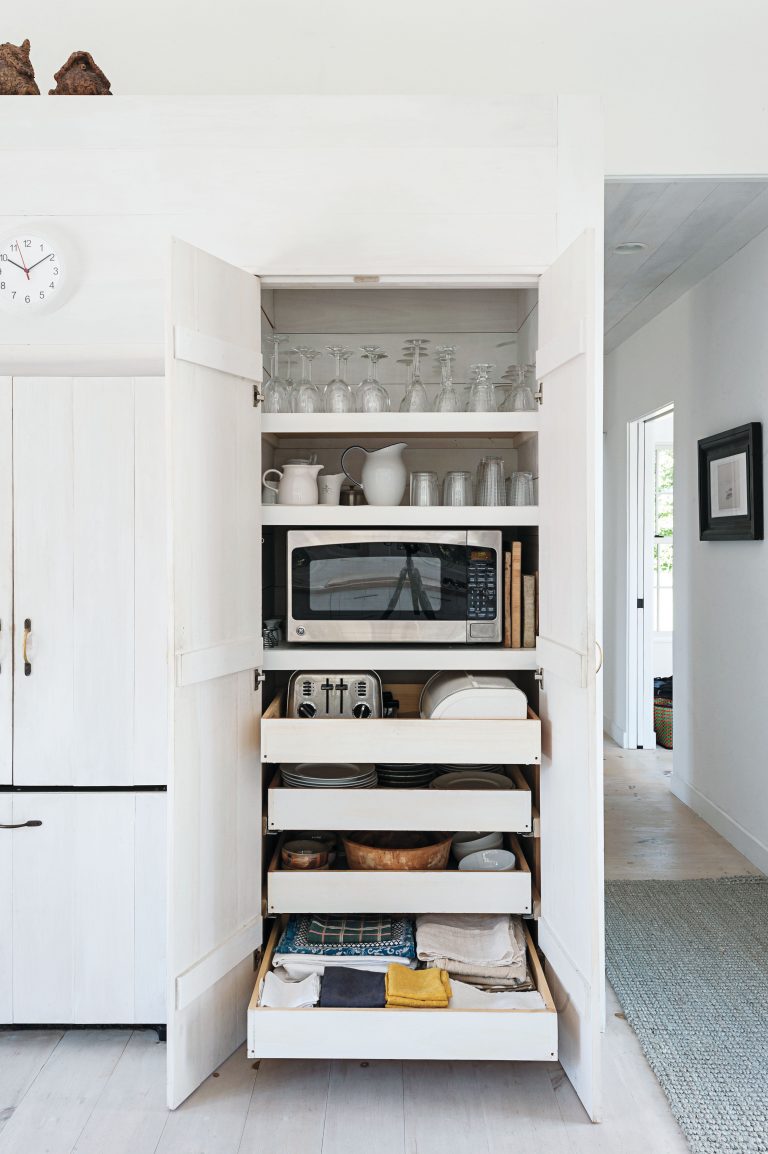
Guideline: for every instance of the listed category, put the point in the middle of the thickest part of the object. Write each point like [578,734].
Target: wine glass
[277,395]
[338,396]
[522,399]
[415,399]
[372,397]
[307,397]
[482,397]
[447,400]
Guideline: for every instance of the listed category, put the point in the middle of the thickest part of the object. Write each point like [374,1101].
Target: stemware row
[283,395]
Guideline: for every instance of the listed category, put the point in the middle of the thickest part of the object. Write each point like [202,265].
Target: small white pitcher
[329,487]
[298,484]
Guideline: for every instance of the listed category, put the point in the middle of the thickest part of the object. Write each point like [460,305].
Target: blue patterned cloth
[400,944]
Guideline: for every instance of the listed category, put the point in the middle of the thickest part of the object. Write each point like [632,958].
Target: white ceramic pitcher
[329,487]
[384,474]
[298,483]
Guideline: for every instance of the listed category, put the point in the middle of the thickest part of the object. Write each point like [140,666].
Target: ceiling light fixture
[629,247]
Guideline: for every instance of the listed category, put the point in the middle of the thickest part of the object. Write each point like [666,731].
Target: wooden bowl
[397,850]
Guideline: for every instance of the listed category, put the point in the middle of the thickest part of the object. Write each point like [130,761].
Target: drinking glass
[372,397]
[490,482]
[338,396]
[522,399]
[520,488]
[457,488]
[277,395]
[424,489]
[447,400]
[482,396]
[307,397]
[415,399]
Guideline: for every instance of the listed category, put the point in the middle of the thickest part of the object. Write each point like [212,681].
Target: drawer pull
[21,824]
[27,631]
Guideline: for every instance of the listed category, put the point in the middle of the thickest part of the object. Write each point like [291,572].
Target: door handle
[21,824]
[27,631]
[600,651]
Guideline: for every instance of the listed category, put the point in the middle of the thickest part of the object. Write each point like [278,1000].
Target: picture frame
[731,485]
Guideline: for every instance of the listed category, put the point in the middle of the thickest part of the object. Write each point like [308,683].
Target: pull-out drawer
[405,738]
[295,809]
[528,1035]
[403,891]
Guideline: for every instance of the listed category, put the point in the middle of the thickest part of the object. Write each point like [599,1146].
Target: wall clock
[31,273]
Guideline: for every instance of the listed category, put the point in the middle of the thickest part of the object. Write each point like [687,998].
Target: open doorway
[650,582]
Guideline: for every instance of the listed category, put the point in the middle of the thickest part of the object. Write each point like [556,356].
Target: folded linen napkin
[423,989]
[349,929]
[484,982]
[344,986]
[297,966]
[400,944]
[473,939]
[277,992]
[467,997]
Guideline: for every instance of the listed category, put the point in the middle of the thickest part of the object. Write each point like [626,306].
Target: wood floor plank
[131,1114]
[287,1110]
[23,1053]
[520,1109]
[442,1102]
[212,1119]
[58,1104]
[365,1098]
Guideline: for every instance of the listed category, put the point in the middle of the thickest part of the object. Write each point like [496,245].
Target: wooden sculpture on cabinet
[17,76]
[80,76]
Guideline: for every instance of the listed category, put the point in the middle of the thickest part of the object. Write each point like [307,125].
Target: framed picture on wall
[731,485]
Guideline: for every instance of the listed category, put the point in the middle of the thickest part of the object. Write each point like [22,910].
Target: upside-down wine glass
[447,400]
[415,399]
[372,397]
[307,397]
[482,397]
[338,396]
[277,395]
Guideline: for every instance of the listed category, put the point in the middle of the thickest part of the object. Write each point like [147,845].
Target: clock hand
[21,254]
[37,262]
[13,262]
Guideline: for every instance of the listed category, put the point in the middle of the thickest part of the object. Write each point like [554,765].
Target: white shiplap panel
[103,576]
[6,580]
[150,885]
[6,909]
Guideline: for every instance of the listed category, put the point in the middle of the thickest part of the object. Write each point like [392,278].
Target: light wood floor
[102,1092]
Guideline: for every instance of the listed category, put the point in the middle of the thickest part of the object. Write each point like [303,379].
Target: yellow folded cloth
[425,989]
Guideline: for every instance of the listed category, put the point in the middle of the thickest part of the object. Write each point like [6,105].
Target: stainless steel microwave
[405,586]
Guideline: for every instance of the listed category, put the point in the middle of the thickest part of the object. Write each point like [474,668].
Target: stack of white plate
[312,775]
[404,775]
[471,779]
[439,769]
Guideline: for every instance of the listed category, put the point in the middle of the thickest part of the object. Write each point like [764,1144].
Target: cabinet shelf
[331,657]
[470,516]
[398,424]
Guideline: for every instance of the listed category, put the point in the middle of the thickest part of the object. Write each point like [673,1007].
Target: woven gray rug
[689,963]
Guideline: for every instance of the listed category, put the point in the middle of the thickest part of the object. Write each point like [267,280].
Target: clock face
[30,273]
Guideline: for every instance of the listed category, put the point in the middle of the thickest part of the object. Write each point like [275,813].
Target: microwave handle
[349,449]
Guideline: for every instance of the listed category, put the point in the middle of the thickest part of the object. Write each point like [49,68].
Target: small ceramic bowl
[325,837]
[304,855]
[493,860]
[467,843]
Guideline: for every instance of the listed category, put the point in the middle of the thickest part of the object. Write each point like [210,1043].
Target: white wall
[661,433]
[707,353]
[683,84]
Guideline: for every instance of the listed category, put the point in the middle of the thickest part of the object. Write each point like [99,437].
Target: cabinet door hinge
[538,675]
[539,394]
[259,677]
[258,396]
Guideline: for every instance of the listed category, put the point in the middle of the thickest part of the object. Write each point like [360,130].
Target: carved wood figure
[17,76]
[80,76]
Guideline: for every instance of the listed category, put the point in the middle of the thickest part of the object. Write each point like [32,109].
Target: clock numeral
[52,256]
[55,272]
[26,300]
[51,285]
[42,295]
[2,286]
[3,256]
[13,295]
[27,244]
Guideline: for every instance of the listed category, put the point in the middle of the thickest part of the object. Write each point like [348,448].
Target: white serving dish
[453,695]
[500,861]
[467,843]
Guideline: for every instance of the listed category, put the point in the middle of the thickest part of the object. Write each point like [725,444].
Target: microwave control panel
[482,600]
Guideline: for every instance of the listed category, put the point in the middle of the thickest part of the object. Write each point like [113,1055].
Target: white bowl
[467,843]
[495,860]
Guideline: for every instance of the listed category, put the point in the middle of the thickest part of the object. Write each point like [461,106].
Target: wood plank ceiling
[689,228]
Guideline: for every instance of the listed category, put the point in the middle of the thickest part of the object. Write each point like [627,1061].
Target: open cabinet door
[571,927]
[214,786]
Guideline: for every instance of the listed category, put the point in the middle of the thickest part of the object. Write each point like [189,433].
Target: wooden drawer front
[404,891]
[404,738]
[504,1035]
[416,809]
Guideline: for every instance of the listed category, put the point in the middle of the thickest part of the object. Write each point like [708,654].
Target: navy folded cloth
[342,986]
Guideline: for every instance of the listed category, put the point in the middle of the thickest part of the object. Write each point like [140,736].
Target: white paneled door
[88,907]
[570,929]
[214,787]
[6,582]
[89,607]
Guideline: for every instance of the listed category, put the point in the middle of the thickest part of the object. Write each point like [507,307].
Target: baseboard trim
[615,733]
[745,842]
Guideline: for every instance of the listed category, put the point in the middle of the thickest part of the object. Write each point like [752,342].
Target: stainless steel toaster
[337,695]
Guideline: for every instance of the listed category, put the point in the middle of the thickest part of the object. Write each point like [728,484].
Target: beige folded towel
[471,943]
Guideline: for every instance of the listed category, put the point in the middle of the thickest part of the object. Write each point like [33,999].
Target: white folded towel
[477,940]
[466,997]
[288,995]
